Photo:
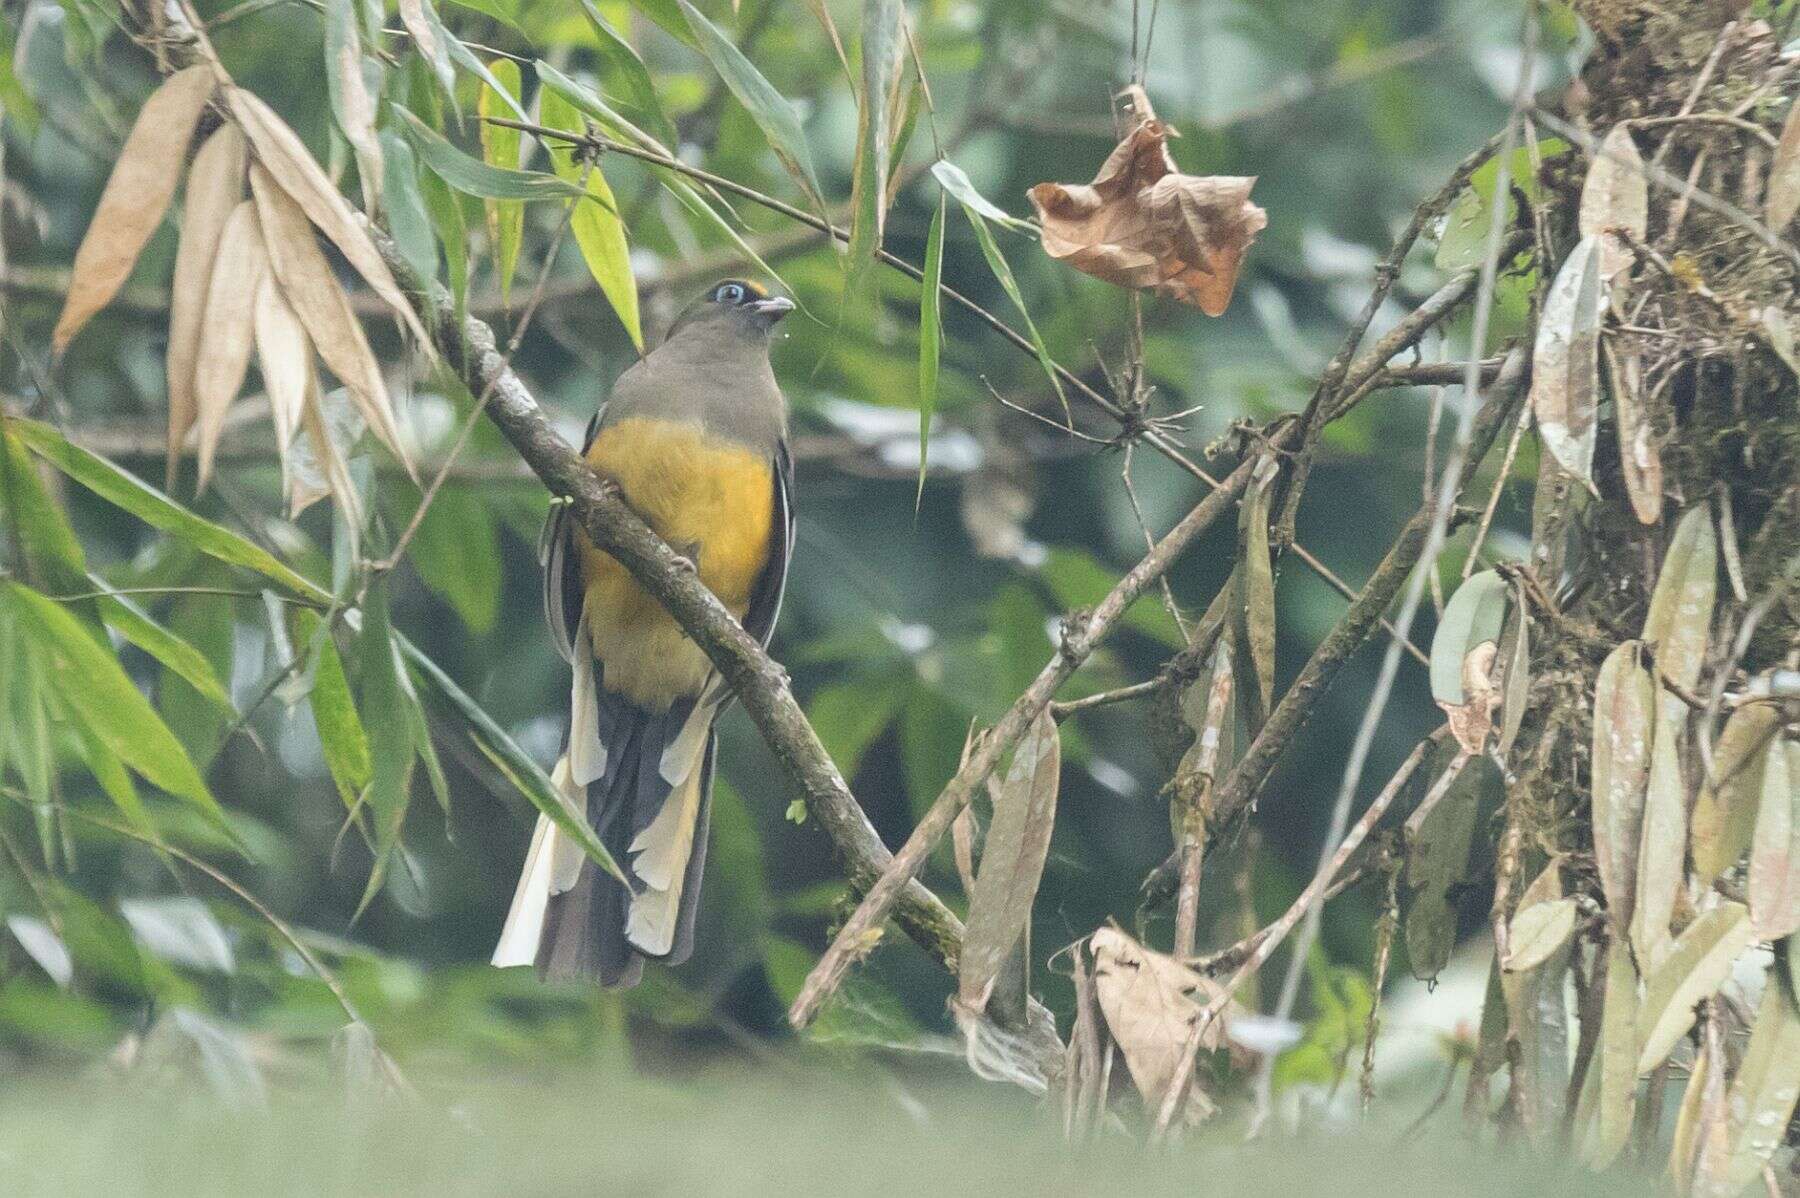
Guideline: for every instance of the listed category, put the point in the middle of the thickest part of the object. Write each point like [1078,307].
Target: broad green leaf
[771,111]
[1624,733]
[407,219]
[1764,1092]
[471,176]
[503,752]
[666,14]
[1725,812]
[342,740]
[457,555]
[154,508]
[997,263]
[849,716]
[931,336]
[135,625]
[445,207]
[113,778]
[1697,965]
[51,550]
[465,58]
[500,146]
[598,231]
[881,57]
[627,77]
[1774,889]
[1473,617]
[208,623]
[97,692]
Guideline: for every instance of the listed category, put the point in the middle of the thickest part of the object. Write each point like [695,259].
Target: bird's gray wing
[563,592]
[765,598]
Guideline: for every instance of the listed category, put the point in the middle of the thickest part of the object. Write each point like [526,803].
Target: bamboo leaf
[390,737]
[284,356]
[881,58]
[471,176]
[352,104]
[1624,707]
[96,691]
[1695,968]
[135,625]
[1565,362]
[1775,847]
[407,220]
[124,491]
[589,102]
[1012,863]
[954,180]
[1538,931]
[771,111]
[215,186]
[500,147]
[457,554]
[996,261]
[628,78]
[598,231]
[430,39]
[137,194]
[342,739]
[931,336]
[229,329]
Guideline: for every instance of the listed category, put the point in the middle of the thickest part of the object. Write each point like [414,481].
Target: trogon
[695,435]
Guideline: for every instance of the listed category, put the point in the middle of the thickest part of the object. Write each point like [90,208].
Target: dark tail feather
[584,928]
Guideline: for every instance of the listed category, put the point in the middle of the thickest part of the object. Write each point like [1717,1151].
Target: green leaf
[98,693]
[457,555]
[471,176]
[1694,968]
[1472,618]
[154,508]
[500,147]
[503,752]
[406,216]
[52,552]
[390,738]
[504,11]
[777,118]
[590,103]
[445,207]
[627,76]
[931,336]
[881,47]
[669,17]
[431,40]
[997,263]
[466,59]
[16,104]
[697,204]
[342,741]
[952,179]
[849,716]
[598,231]
[113,778]
[135,625]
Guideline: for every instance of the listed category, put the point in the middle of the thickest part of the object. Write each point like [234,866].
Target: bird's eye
[730,293]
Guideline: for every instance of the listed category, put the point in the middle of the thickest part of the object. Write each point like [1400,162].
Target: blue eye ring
[730,293]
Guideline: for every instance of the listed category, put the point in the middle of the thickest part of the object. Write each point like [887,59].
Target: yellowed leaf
[1143,224]
[136,196]
[313,292]
[215,185]
[228,328]
[285,159]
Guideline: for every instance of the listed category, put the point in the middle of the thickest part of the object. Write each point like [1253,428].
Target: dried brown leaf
[1143,224]
[1151,1003]
[1611,1090]
[1616,195]
[1782,198]
[227,328]
[1767,1086]
[1472,720]
[285,159]
[1624,706]
[136,196]
[1725,813]
[1639,459]
[1775,847]
[1697,965]
[1565,361]
[284,355]
[215,185]
[309,286]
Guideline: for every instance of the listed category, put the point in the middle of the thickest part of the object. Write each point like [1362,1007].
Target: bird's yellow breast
[715,503]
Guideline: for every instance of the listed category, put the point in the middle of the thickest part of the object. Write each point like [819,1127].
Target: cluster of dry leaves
[250,279]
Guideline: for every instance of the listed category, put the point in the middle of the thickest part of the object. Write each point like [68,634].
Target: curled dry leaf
[1624,705]
[1616,195]
[312,290]
[228,328]
[1775,847]
[1782,198]
[1565,361]
[285,160]
[1725,813]
[1640,463]
[1152,1003]
[1697,965]
[214,187]
[136,196]
[1142,223]
[284,355]
[1463,654]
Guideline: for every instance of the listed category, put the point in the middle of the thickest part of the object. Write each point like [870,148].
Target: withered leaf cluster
[1143,224]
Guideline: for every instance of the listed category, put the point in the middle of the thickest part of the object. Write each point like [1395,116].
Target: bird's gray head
[734,308]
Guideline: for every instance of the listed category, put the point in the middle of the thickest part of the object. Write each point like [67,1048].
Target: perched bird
[695,435]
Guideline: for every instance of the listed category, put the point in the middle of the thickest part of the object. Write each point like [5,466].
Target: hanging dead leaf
[1463,654]
[1725,813]
[227,329]
[215,185]
[287,164]
[284,355]
[1143,224]
[1775,846]
[1697,965]
[313,291]
[136,196]
[1152,1003]
[1012,861]
[1624,706]
[1565,361]
[332,424]
[1640,463]
[1615,196]
[1781,200]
